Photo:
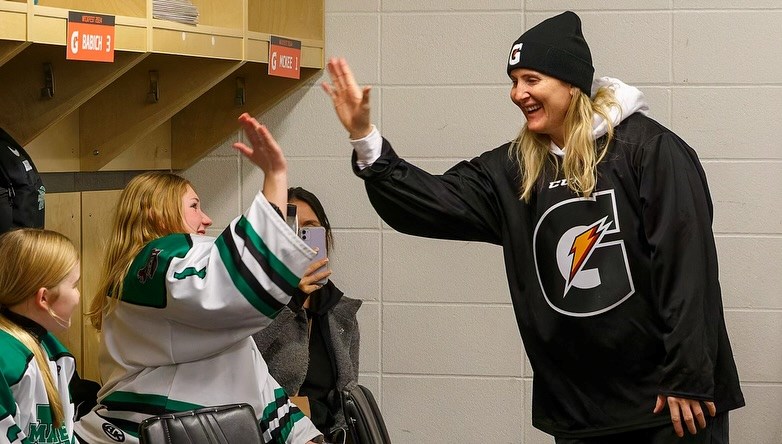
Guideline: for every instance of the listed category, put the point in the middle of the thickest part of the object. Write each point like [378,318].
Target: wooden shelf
[13,21]
[200,41]
[129,8]
[106,130]
[304,21]
[100,118]
[48,26]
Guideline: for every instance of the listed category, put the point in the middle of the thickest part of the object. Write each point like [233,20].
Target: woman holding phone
[313,352]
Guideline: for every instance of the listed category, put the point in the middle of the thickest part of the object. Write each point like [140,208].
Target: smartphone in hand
[315,237]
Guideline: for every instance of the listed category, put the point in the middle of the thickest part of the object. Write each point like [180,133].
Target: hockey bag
[21,189]
[363,417]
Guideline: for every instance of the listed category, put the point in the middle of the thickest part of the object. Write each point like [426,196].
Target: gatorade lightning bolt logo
[580,257]
[582,248]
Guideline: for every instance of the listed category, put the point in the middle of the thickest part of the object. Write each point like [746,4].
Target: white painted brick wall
[440,347]
[458,409]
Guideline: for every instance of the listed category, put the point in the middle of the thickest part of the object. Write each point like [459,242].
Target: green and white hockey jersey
[25,413]
[180,337]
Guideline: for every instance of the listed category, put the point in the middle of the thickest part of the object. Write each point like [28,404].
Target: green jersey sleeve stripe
[274,267]
[276,426]
[287,423]
[280,397]
[243,279]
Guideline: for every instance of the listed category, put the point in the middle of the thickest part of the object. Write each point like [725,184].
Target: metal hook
[47,92]
[240,97]
[153,96]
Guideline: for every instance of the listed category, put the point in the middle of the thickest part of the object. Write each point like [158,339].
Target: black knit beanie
[555,47]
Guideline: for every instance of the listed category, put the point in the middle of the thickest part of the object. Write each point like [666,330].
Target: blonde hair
[149,207]
[34,259]
[583,153]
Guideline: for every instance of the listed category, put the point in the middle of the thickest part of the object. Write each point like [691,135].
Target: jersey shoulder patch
[145,282]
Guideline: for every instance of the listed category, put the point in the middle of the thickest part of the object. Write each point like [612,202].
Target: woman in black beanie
[604,217]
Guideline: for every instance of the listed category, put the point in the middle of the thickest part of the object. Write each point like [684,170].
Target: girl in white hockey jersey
[39,276]
[176,309]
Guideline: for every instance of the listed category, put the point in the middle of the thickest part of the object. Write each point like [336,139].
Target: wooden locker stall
[97,208]
[63,214]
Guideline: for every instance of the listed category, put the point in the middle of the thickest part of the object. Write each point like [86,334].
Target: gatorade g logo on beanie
[555,47]
[515,54]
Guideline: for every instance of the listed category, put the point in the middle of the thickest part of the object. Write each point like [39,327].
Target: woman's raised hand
[267,154]
[350,101]
[264,151]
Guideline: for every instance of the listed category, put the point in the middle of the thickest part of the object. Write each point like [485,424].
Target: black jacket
[616,296]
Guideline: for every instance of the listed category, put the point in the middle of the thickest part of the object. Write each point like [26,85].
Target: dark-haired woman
[313,352]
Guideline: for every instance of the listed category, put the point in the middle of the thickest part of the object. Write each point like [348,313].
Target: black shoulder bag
[363,417]
[225,424]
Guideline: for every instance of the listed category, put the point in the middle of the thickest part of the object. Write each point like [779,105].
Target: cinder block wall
[440,347]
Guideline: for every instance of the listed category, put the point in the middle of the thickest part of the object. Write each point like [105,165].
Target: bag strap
[6,179]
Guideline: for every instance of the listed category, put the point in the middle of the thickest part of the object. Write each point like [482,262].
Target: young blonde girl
[39,277]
